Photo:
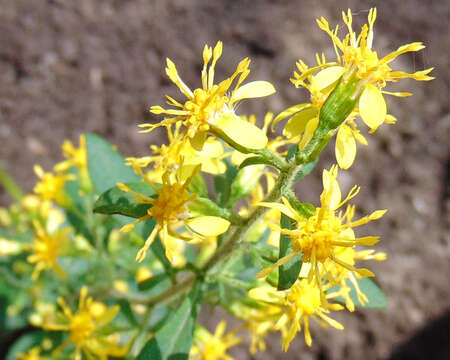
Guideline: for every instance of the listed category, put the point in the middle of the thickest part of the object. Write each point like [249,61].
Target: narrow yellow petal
[372,106]
[208,225]
[280,207]
[267,294]
[254,89]
[345,147]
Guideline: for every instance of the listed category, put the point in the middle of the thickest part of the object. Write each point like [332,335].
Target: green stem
[10,185]
[270,157]
[165,297]
[283,185]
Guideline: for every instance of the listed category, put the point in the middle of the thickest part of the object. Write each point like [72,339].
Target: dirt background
[68,67]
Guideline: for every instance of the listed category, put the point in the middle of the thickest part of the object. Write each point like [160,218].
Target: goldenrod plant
[113,257]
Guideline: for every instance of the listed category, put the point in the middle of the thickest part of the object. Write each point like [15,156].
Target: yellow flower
[354,55]
[180,151]
[320,237]
[51,187]
[304,300]
[209,346]
[211,108]
[170,210]
[85,328]
[46,249]
[33,354]
[75,156]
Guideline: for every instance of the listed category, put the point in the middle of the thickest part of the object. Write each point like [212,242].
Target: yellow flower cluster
[193,128]
[326,243]
[270,228]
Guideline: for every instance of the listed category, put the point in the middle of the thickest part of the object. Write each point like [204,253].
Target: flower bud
[340,103]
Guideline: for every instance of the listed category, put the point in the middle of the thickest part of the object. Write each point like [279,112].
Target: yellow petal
[345,147]
[326,77]
[331,195]
[253,89]
[282,208]
[372,106]
[266,294]
[211,148]
[310,128]
[288,112]
[241,131]
[297,124]
[198,140]
[208,225]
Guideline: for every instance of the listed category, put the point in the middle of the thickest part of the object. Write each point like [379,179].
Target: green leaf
[116,201]
[305,170]
[152,282]
[254,160]
[174,340]
[158,249]
[222,183]
[79,224]
[292,152]
[377,299]
[205,206]
[106,166]
[304,209]
[287,273]
[31,339]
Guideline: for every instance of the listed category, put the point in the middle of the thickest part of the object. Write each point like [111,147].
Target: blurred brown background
[68,67]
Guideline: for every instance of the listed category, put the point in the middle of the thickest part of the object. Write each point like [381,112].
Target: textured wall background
[68,67]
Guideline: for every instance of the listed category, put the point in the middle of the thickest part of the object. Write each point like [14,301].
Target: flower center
[204,106]
[170,203]
[81,327]
[304,297]
[315,236]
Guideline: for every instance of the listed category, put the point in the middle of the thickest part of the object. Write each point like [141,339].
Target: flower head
[46,249]
[304,300]
[323,235]
[75,156]
[211,107]
[85,328]
[51,186]
[170,209]
[354,56]
[209,346]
